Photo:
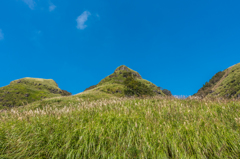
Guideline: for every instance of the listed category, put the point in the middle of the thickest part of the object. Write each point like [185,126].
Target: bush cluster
[213,80]
[207,87]
[129,74]
[167,92]
[65,93]
[136,88]
[91,87]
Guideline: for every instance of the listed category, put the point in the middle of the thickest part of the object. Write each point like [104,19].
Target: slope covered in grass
[127,82]
[224,84]
[102,126]
[23,91]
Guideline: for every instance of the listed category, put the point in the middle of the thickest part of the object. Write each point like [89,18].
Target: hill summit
[26,90]
[224,84]
[120,74]
[126,82]
[125,68]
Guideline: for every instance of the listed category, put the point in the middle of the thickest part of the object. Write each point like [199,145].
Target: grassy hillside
[102,123]
[126,82]
[27,90]
[95,124]
[224,84]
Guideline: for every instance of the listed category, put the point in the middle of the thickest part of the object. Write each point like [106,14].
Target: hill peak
[126,82]
[37,81]
[124,68]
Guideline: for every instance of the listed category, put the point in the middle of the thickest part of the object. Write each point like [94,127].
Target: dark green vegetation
[91,87]
[135,87]
[208,86]
[224,84]
[27,90]
[167,92]
[99,125]
[126,82]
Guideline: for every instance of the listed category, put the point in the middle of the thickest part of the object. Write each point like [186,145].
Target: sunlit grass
[123,128]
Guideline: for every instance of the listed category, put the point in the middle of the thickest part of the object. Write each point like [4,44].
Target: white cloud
[30,3]
[82,19]
[52,7]
[1,35]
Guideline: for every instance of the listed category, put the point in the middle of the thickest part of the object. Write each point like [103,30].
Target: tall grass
[123,128]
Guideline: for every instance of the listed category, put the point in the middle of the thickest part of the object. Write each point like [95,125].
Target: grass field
[85,127]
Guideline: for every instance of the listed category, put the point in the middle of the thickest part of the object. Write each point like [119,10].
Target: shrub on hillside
[167,92]
[207,87]
[91,87]
[136,88]
[216,77]
[65,93]
[129,74]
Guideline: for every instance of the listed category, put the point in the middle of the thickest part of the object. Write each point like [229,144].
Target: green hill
[123,82]
[126,82]
[23,91]
[224,84]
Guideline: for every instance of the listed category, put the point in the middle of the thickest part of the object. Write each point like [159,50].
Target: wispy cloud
[30,3]
[52,7]
[1,35]
[82,19]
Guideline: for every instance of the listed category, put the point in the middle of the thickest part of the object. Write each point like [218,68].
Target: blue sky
[178,45]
